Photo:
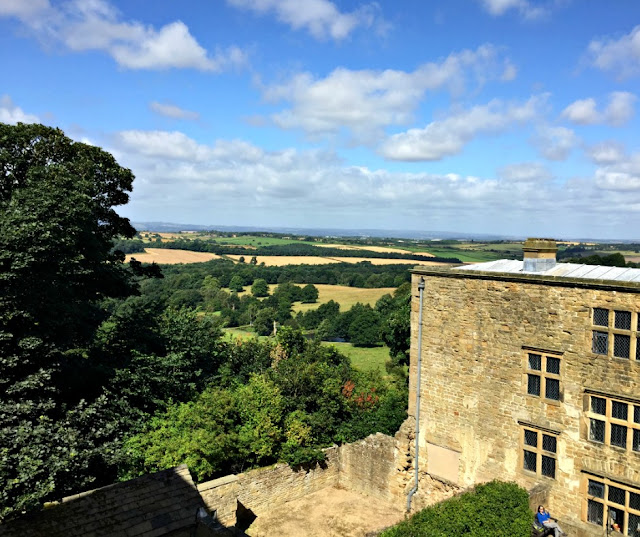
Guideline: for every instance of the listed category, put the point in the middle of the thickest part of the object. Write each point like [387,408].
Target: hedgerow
[494,509]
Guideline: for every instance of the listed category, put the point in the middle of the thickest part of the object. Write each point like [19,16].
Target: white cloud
[555,143]
[314,188]
[320,18]
[526,8]
[619,56]
[606,152]
[12,114]
[448,136]
[623,176]
[619,110]
[23,9]
[364,102]
[173,111]
[95,25]
[582,112]
[525,172]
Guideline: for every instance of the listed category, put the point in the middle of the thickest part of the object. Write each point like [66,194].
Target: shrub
[494,509]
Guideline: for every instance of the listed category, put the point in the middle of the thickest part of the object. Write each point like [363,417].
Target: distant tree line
[302,249]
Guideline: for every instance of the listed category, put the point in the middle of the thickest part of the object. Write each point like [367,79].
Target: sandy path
[331,512]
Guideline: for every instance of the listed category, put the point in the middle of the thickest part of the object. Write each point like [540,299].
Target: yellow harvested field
[165,256]
[342,294]
[382,261]
[382,249]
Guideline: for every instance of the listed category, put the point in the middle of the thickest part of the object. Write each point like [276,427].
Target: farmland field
[364,358]
[165,256]
[343,295]
[281,260]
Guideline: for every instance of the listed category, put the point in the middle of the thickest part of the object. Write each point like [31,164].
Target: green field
[249,240]
[364,358]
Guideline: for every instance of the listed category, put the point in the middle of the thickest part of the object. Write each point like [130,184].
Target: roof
[560,270]
[149,506]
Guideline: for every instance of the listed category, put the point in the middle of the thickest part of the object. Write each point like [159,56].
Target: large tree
[57,224]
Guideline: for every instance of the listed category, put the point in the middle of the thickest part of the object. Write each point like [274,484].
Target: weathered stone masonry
[478,329]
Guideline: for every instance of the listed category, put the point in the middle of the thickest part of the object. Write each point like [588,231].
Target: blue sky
[516,117]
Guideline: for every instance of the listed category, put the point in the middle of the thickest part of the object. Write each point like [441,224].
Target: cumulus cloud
[23,9]
[525,172]
[173,111]
[555,143]
[321,18]
[448,136]
[526,8]
[619,110]
[623,175]
[366,101]
[12,114]
[82,25]
[234,181]
[621,56]
[608,152]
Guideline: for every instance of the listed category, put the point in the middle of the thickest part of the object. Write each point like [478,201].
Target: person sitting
[545,519]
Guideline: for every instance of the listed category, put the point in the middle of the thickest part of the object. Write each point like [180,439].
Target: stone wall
[263,488]
[368,467]
[474,397]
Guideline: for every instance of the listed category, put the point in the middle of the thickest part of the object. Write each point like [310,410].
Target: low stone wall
[368,466]
[263,488]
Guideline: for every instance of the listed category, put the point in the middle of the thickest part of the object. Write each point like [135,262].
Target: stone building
[530,372]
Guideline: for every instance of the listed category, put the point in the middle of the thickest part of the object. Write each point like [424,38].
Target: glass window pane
[535,362]
[552,389]
[638,347]
[618,435]
[553,365]
[596,430]
[636,413]
[533,384]
[595,512]
[634,525]
[530,438]
[616,495]
[598,405]
[634,501]
[599,343]
[636,440]
[549,443]
[530,461]
[596,489]
[600,317]
[619,410]
[623,320]
[548,467]
[621,345]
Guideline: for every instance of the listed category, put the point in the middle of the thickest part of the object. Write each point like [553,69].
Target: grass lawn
[364,358]
[249,240]
[242,332]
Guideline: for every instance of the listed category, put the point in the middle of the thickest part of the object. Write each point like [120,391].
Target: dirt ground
[331,512]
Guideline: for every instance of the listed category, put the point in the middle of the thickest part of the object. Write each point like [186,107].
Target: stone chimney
[539,254]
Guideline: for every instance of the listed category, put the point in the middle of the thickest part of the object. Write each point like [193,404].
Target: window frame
[612,423]
[607,504]
[538,450]
[543,374]
[615,337]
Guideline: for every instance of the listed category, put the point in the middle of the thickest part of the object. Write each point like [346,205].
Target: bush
[495,509]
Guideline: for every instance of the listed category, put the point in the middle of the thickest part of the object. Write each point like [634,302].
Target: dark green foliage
[260,288]
[495,509]
[236,284]
[395,326]
[57,224]
[611,260]
[309,294]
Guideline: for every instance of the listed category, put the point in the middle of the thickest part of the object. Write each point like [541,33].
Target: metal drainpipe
[415,464]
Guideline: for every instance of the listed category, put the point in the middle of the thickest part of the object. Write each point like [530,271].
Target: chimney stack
[539,254]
